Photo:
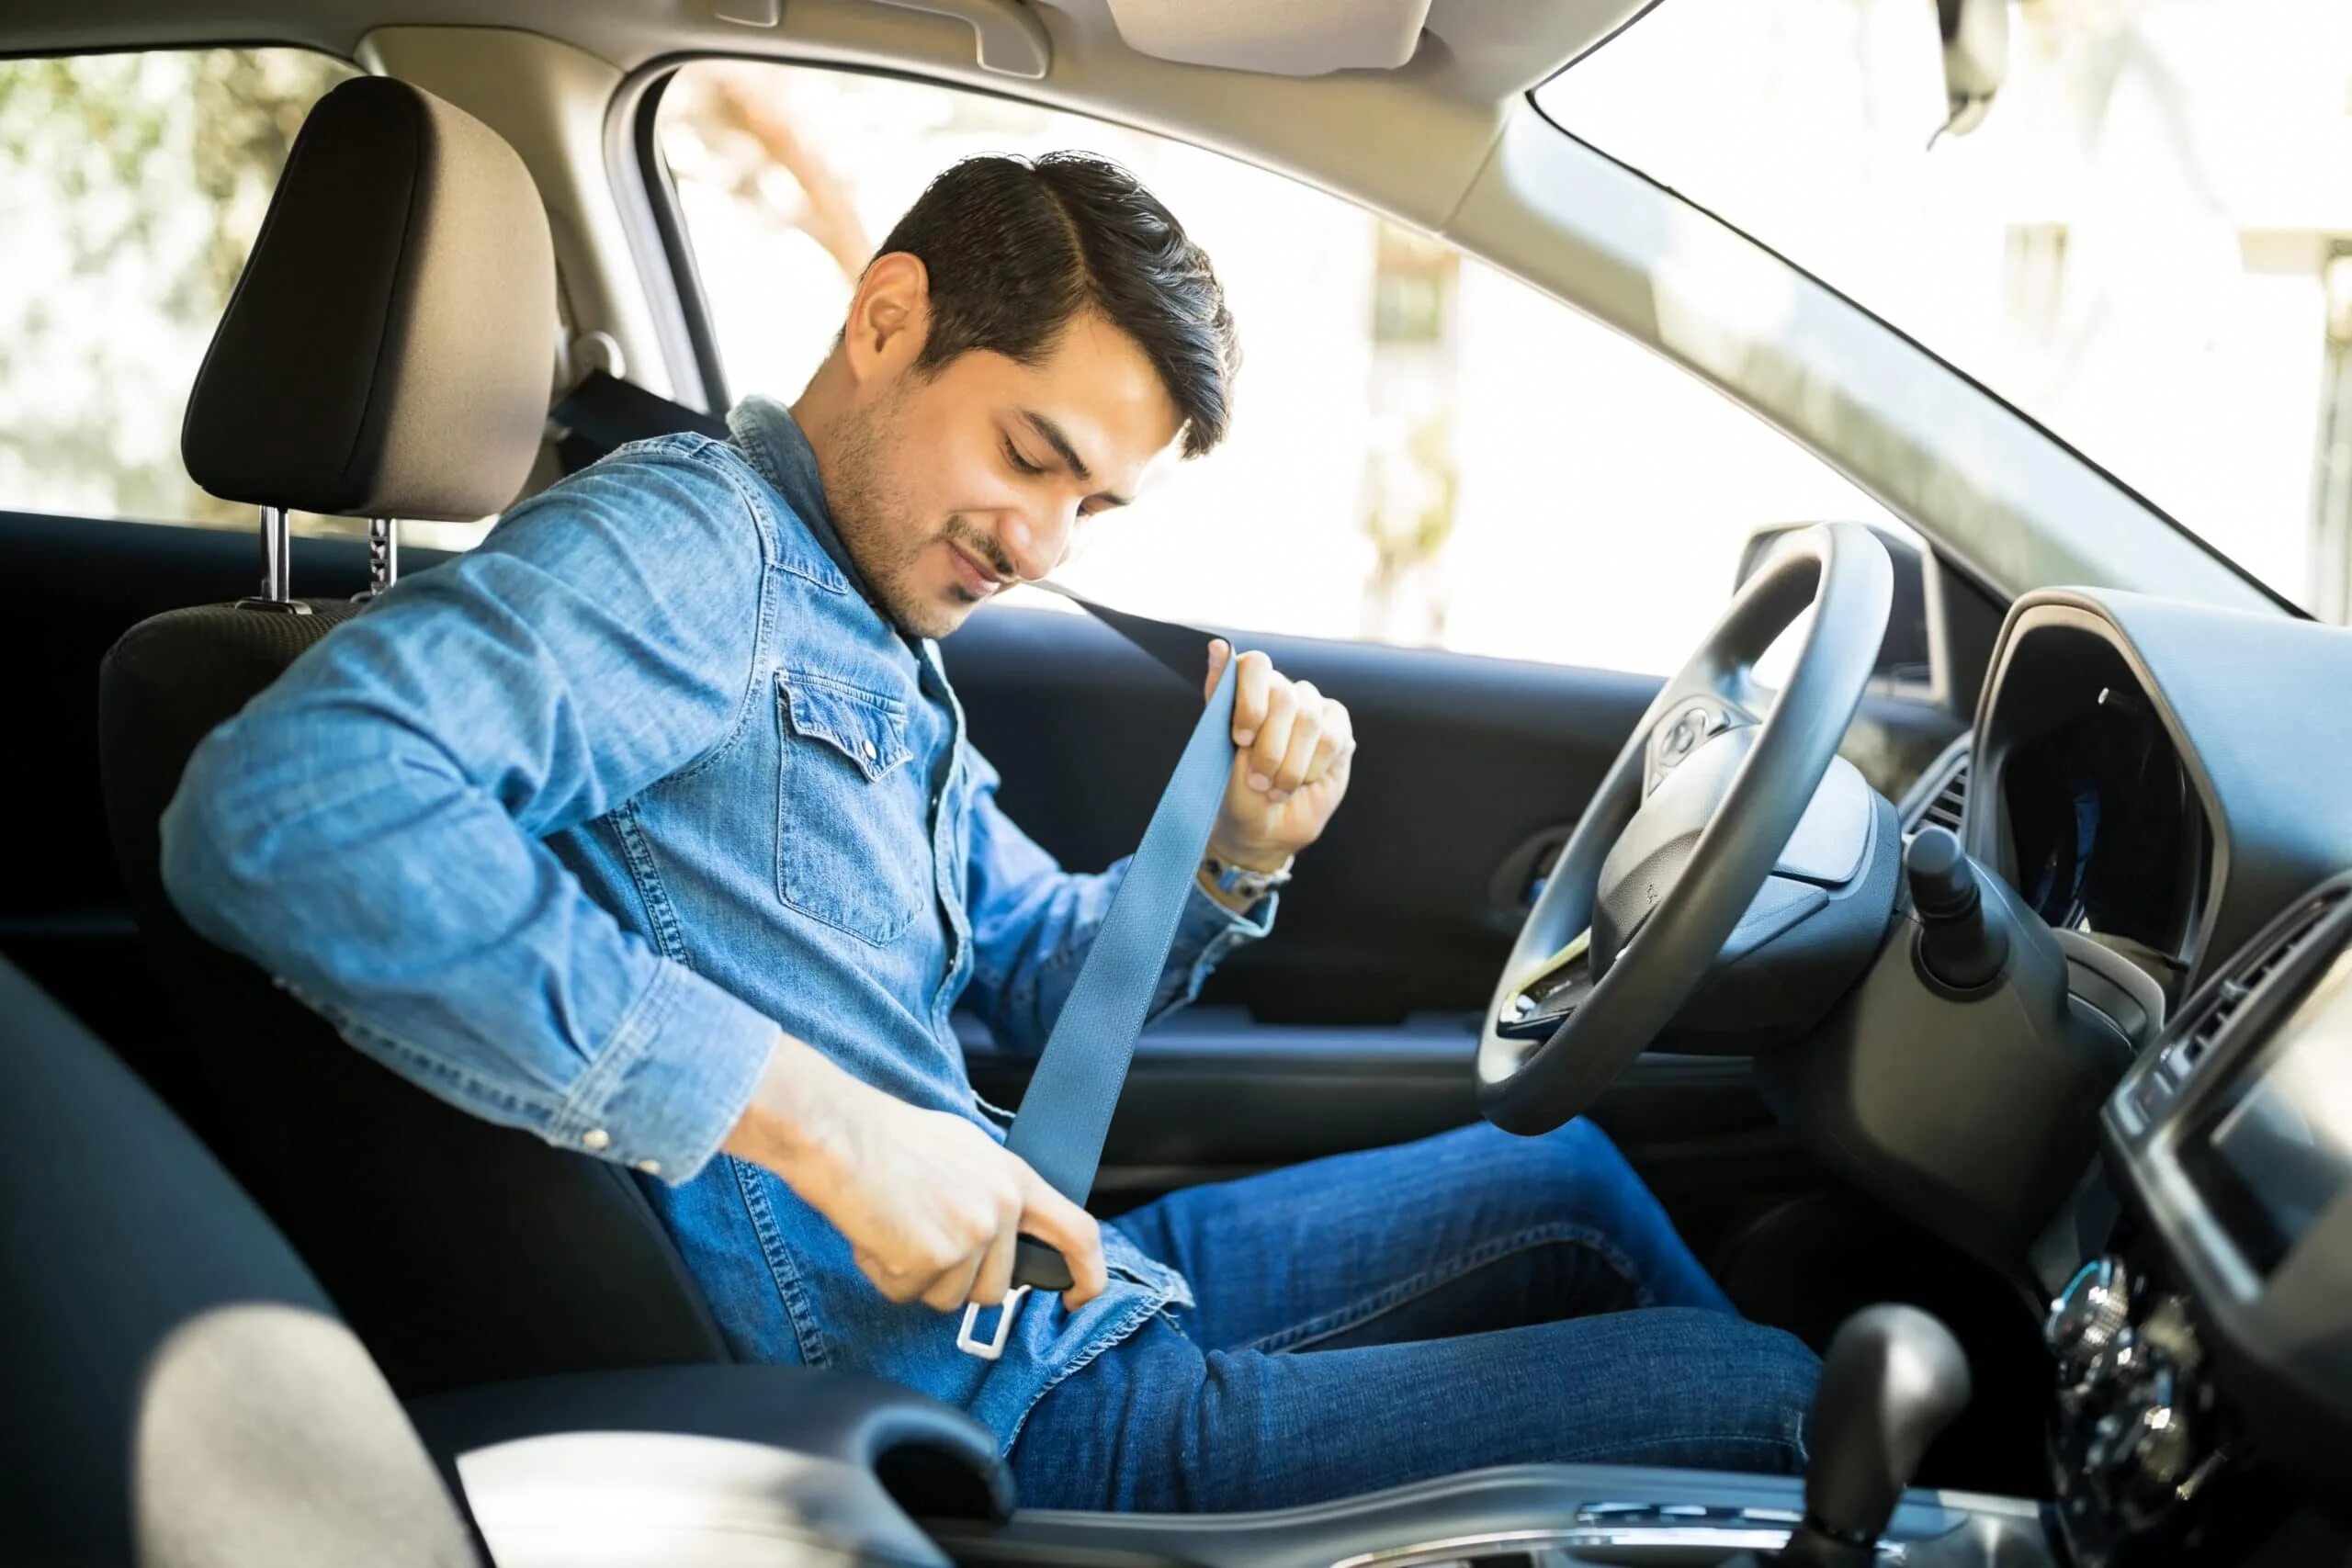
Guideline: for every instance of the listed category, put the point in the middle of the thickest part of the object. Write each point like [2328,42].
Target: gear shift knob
[1893,1379]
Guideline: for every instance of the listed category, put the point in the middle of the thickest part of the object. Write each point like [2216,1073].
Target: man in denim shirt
[651,826]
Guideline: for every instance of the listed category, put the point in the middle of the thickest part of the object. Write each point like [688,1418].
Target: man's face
[950,486]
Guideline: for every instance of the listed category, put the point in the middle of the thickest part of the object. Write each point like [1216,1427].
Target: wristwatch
[1243,882]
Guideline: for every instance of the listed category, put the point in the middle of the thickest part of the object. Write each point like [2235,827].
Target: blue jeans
[1371,1319]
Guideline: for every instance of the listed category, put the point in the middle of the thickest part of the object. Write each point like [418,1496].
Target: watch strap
[1244,880]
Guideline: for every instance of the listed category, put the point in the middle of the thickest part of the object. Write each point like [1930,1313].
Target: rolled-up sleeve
[368,829]
[1033,924]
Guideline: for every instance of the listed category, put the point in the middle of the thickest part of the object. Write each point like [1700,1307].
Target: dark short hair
[1016,247]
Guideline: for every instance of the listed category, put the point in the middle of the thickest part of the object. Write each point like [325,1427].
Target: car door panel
[1214,1094]
[1461,761]
[1353,1025]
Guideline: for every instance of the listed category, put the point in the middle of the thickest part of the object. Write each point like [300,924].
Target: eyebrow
[1056,437]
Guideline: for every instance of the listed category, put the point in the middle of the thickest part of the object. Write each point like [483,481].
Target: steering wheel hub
[1702,807]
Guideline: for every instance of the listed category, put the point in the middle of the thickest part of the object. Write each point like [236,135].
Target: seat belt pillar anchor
[992,1348]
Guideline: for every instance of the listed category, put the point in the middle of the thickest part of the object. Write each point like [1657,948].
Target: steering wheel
[1691,817]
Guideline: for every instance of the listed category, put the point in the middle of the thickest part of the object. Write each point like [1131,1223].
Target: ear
[888,319]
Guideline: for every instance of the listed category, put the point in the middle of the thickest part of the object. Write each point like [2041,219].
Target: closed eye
[1020,464]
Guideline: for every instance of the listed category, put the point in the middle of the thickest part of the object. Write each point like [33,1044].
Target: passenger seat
[176,1389]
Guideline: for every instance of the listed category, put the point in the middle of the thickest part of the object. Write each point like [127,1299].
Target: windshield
[2146,245]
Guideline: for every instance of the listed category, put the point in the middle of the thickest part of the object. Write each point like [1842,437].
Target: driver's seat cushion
[387,350]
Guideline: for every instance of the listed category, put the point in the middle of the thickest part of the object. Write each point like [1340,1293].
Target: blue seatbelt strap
[1066,1113]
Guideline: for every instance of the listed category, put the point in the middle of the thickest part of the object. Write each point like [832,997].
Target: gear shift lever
[1893,1379]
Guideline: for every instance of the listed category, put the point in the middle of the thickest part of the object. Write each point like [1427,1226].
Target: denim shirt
[565,828]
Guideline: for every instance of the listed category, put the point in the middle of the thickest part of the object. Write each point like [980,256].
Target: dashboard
[2147,1112]
[2210,1351]
[2152,777]
[2095,820]
[2104,834]
[2159,776]
[2272,1153]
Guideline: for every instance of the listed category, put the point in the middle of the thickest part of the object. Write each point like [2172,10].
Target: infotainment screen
[2277,1148]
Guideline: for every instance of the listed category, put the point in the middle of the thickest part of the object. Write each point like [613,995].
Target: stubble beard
[870,508]
[865,501]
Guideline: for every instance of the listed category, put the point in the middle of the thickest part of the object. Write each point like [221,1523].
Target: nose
[1036,541]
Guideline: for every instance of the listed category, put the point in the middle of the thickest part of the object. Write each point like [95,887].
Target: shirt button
[650,1167]
[596,1140]
[870,752]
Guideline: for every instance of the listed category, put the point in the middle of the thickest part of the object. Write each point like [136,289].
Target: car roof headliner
[1471,51]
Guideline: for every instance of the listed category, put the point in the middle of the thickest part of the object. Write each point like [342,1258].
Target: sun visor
[1296,38]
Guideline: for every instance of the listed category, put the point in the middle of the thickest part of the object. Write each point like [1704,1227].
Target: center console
[1893,1379]
[1521,1516]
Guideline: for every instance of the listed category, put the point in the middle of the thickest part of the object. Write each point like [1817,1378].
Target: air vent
[2246,978]
[1946,807]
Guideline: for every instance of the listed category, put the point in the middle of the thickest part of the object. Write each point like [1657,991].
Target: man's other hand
[932,1205]
[1293,748]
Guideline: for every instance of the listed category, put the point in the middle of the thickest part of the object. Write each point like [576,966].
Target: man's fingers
[1339,741]
[871,1267]
[994,1282]
[951,1290]
[894,1285]
[1305,734]
[1273,736]
[1327,751]
[1219,651]
[1249,692]
[1071,1231]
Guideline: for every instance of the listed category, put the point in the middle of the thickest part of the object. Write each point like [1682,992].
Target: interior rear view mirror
[1976,57]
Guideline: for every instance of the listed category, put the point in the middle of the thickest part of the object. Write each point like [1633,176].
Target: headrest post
[383,554]
[276,555]
[277,566]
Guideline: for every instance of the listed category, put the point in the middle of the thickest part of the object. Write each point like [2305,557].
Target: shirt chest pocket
[852,840]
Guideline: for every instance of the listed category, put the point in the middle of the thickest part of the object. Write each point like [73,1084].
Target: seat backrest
[175,1390]
[386,353]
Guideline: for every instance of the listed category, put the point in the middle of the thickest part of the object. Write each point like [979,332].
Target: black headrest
[389,350]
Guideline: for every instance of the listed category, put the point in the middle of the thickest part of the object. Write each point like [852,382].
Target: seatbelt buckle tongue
[992,1348]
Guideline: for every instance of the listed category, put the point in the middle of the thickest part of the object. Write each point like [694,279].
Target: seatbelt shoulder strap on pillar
[604,414]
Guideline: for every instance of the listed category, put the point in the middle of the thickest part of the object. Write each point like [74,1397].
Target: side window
[131,186]
[1425,451]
